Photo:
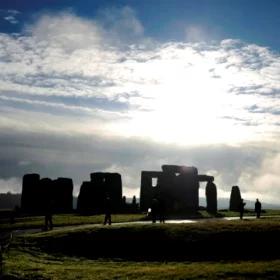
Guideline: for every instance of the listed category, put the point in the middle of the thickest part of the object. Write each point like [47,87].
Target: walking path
[172,221]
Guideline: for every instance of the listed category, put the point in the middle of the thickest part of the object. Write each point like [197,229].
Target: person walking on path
[108,210]
[241,208]
[258,208]
[48,215]
[155,206]
[161,211]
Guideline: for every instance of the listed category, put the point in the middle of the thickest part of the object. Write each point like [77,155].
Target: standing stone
[211,197]
[235,199]
[92,194]
[63,195]
[30,192]
[85,198]
[177,186]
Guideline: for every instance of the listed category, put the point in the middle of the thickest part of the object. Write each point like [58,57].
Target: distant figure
[161,211]
[134,204]
[48,215]
[124,200]
[108,210]
[134,201]
[241,208]
[258,208]
[155,208]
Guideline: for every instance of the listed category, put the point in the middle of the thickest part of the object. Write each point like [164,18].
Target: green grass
[206,240]
[74,219]
[68,220]
[37,265]
[29,259]
[250,212]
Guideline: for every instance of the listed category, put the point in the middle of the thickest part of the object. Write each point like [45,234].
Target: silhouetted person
[258,208]
[155,208]
[161,211]
[124,200]
[108,210]
[241,208]
[134,204]
[48,215]
[134,201]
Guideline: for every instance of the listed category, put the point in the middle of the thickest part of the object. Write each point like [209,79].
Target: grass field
[61,220]
[75,219]
[56,254]
[38,265]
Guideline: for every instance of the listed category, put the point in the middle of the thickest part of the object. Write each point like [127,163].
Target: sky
[126,86]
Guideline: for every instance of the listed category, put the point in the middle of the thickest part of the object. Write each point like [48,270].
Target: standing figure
[161,211]
[134,204]
[241,208]
[108,210]
[155,208]
[258,208]
[48,215]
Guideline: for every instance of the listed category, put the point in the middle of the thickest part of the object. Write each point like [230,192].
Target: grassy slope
[27,259]
[68,220]
[38,265]
[73,219]
[204,240]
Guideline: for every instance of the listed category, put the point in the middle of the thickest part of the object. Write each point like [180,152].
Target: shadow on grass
[165,242]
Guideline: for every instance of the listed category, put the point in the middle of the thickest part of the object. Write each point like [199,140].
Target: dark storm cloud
[76,156]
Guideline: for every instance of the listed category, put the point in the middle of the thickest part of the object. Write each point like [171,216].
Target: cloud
[195,33]
[263,181]
[65,31]
[11,19]
[80,95]
[76,156]
[121,25]
[10,185]
[10,15]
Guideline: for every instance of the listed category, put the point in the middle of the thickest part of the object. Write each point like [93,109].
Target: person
[48,215]
[161,211]
[241,208]
[258,208]
[134,205]
[108,210]
[134,200]
[155,206]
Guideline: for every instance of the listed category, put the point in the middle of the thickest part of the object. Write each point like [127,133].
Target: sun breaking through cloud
[104,81]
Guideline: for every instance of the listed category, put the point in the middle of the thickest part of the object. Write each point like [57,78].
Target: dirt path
[172,221]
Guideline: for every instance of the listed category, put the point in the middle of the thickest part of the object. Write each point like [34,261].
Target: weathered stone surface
[235,199]
[177,188]
[85,197]
[92,194]
[211,197]
[37,194]
[30,192]
[148,191]
[63,194]
[47,194]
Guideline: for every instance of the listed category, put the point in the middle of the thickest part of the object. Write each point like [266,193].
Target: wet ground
[171,221]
